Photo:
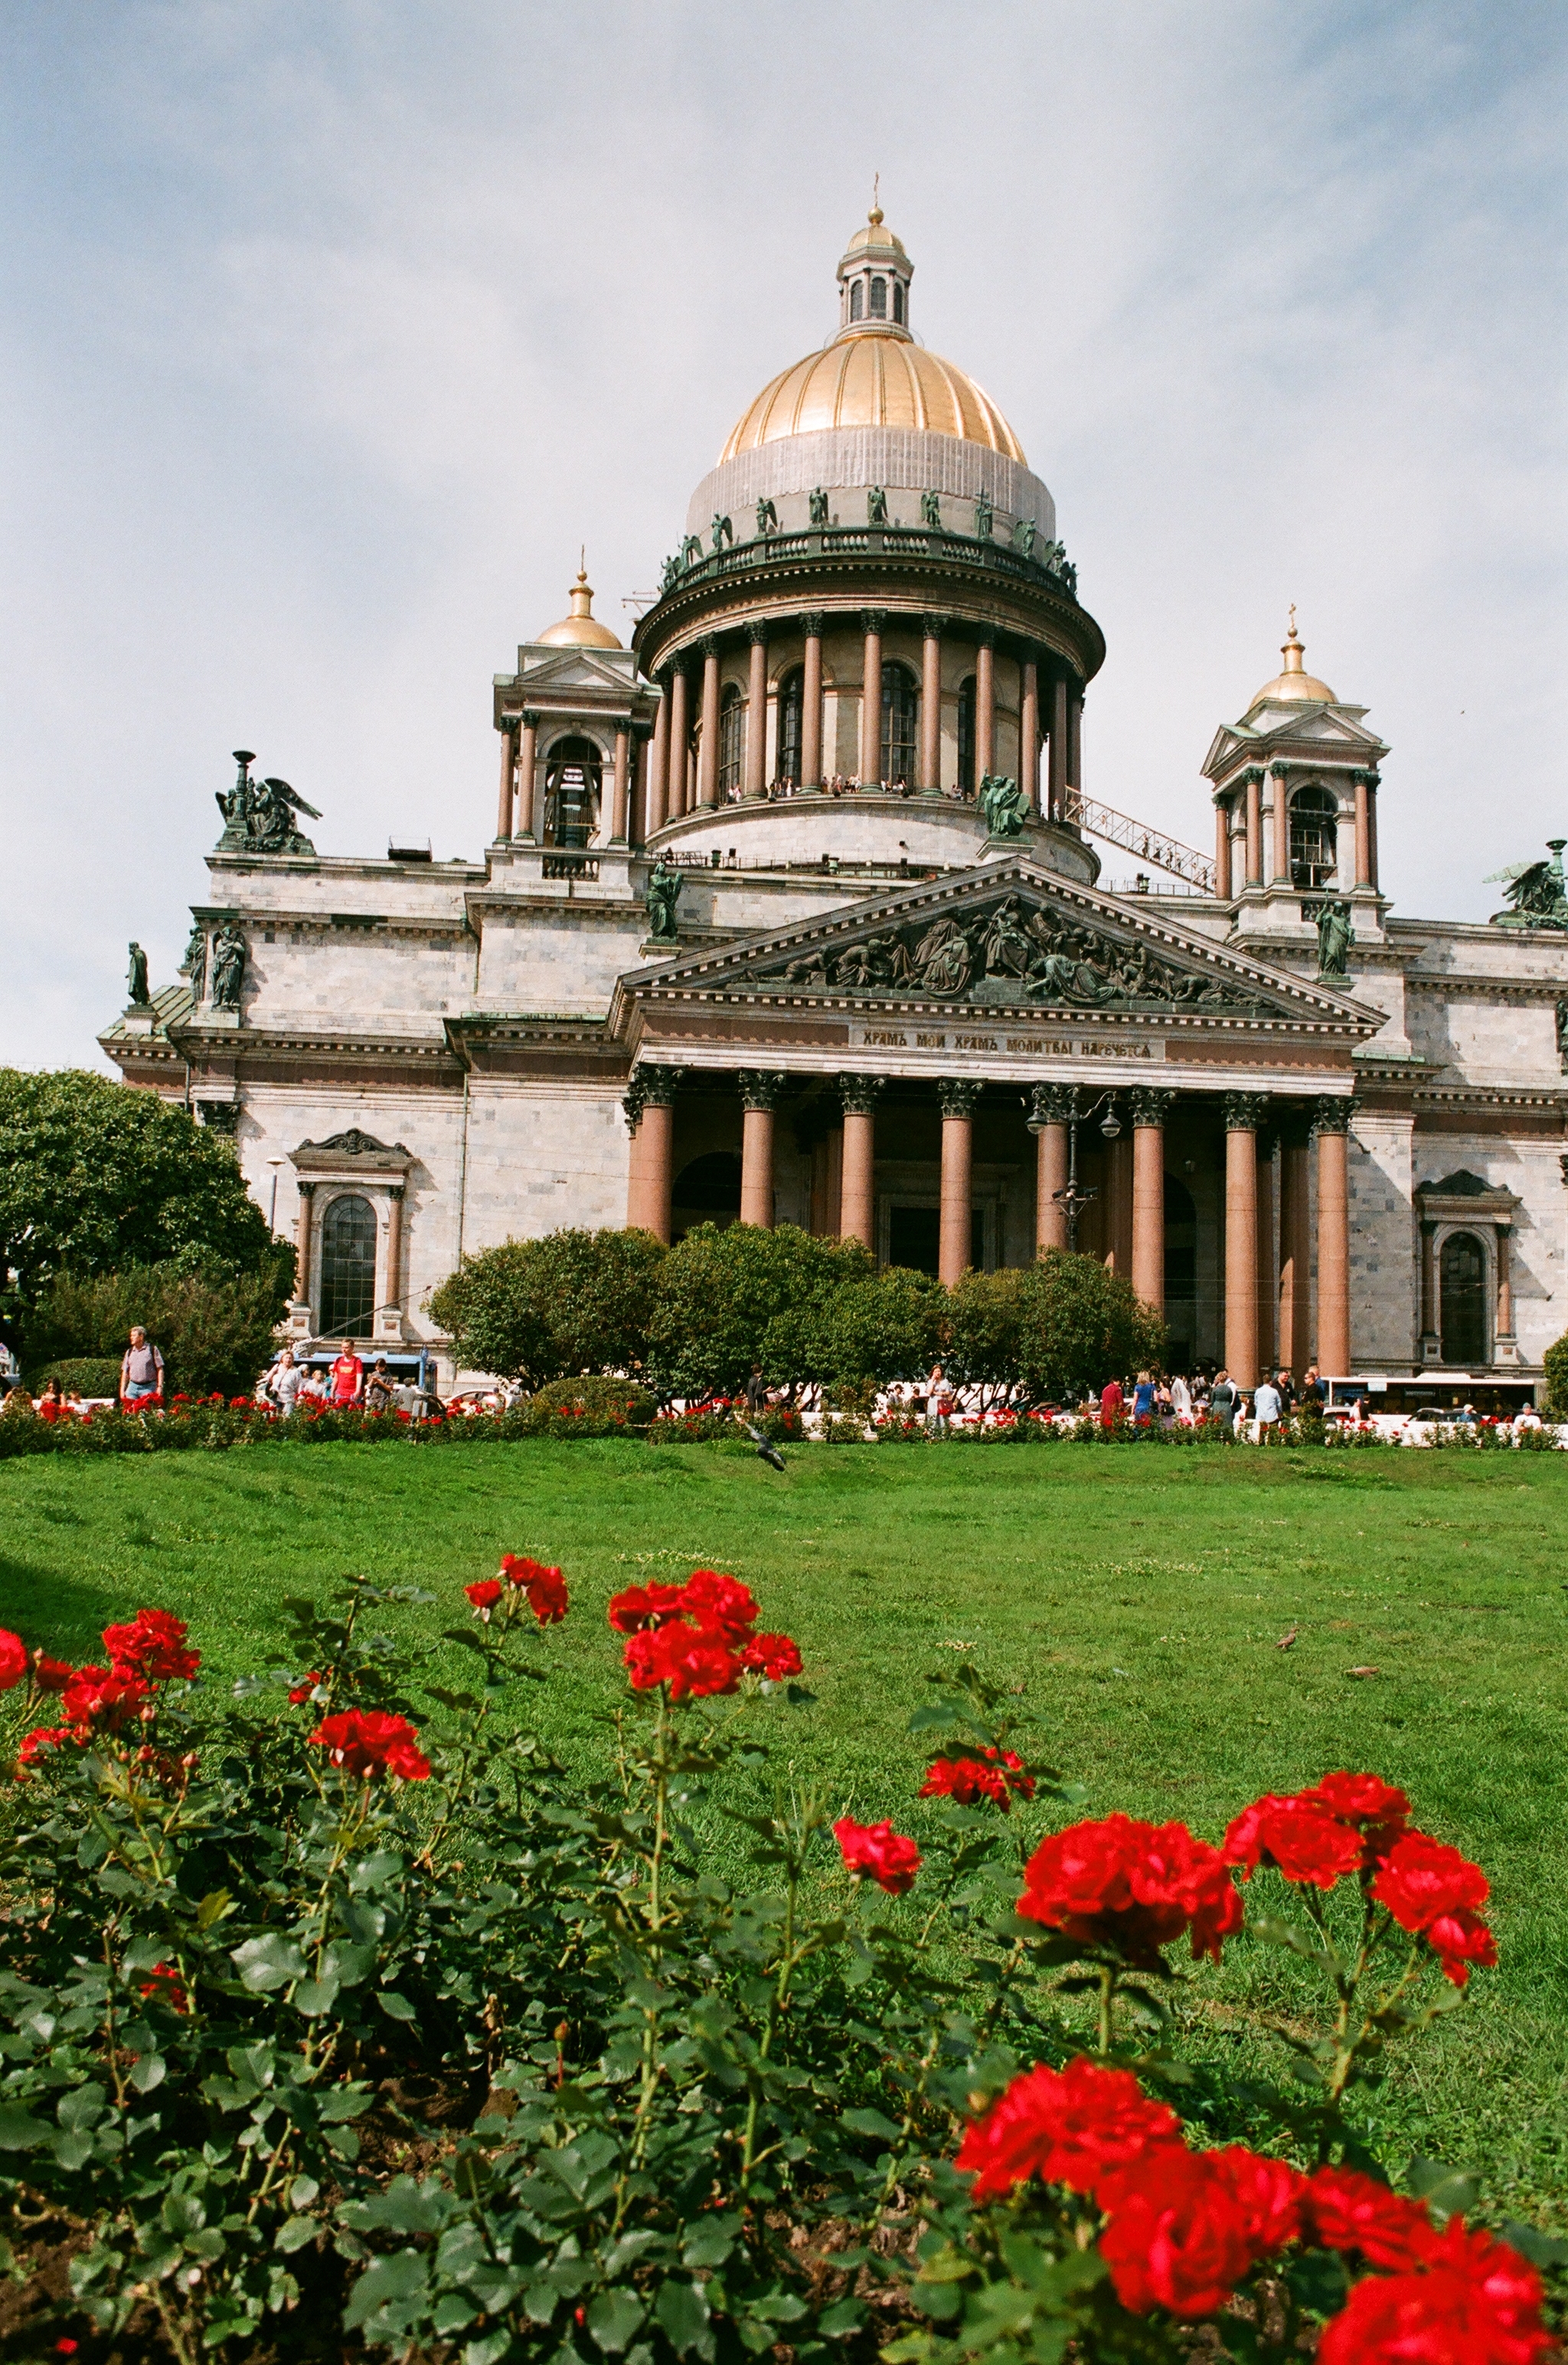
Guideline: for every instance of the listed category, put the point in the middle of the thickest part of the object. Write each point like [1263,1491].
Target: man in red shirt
[1113,1403]
[348,1380]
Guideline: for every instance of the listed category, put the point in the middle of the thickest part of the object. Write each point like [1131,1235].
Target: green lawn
[1139,1593]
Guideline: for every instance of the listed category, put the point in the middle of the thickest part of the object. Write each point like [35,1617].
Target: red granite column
[1331,1123]
[527,764]
[708,745]
[302,1244]
[1047,1122]
[811,706]
[955,1219]
[679,736]
[1254,827]
[1242,1114]
[857,1174]
[1293,1346]
[760,1096]
[930,776]
[1058,751]
[508,767]
[871,697]
[756,711]
[1267,1300]
[1222,848]
[651,1179]
[622,778]
[1151,1112]
[985,706]
[659,771]
[1282,868]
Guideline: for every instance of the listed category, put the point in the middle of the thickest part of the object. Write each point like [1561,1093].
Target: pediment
[1297,731]
[565,671]
[1009,936]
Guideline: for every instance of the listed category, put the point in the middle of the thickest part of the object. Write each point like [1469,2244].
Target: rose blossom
[545,1588]
[1069,2126]
[694,1666]
[1459,1939]
[1477,2303]
[721,1605]
[368,1741]
[1347,2211]
[153,1645]
[485,1594]
[50,1675]
[1178,2236]
[774,1656]
[102,1695]
[1132,1885]
[892,1860]
[1377,1809]
[644,1604]
[14,1660]
[1298,1836]
[1422,1877]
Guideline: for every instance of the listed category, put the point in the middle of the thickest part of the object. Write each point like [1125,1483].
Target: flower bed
[331,1997]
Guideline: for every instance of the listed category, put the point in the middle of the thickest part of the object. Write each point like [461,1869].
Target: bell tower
[874,274]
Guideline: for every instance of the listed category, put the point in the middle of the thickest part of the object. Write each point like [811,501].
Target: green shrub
[743,1295]
[88,1375]
[543,1310]
[586,1407]
[1556,1406]
[214,1326]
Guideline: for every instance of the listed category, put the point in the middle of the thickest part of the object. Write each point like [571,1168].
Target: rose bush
[336,2017]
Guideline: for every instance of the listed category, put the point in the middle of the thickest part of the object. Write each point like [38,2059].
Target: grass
[1138,1595]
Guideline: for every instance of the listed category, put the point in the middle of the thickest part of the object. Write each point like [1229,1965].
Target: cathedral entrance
[1463,1300]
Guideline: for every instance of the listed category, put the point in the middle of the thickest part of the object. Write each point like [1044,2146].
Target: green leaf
[848,2316]
[184,2212]
[20,2131]
[294,2232]
[486,2351]
[708,2243]
[303,2192]
[613,2318]
[682,2309]
[269,1961]
[148,2070]
[1448,2191]
[1540,2249]
[871,2123]
[314,1997]
[391,2284]
[396,2006]
[407,2206]
[81,2106]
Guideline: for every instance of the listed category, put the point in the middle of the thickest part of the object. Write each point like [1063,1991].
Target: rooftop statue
[671,574]
[659,899]
[1023,535]
[722,532]
[818,500]
[767,518]
[985,518]
[931,511]
[1536,891]
[1005,807]
[258,816]
[691,551]
[137,980]
[1334,938]
[875,506]
[228,967]
[194,962]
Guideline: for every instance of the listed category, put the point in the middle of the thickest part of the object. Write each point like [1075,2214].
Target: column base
[1506,1349]
[301,1320]
[389,1325]
[1431,1347]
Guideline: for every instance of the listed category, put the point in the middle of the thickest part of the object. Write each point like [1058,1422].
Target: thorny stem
[1107,1997]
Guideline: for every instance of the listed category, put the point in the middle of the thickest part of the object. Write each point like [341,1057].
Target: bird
[765,1452]
[1362,1671]
[1285,1641]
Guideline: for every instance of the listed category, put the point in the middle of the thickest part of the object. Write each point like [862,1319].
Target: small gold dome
[582,627]
[874,240]
[873,377]
[1295,686]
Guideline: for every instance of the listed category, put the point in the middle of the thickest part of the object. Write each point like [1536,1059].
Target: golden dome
[1295,686]
[873,377]
[873,240]
[582,627]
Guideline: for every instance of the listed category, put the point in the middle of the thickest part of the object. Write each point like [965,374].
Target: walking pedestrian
[140,1369]
[348,1381]
[1225,1400]
[282,1383]
[1267,1408]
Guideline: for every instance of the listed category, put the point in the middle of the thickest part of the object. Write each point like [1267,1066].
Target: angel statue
[1535,892]
[931,510]
[1006,808]
[258,816]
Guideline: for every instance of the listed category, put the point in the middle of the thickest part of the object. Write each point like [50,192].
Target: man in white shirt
[1266,1408]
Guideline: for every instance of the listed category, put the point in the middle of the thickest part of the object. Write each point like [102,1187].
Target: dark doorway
[1464,1300]
[572,778]
[1181,1273]
[707,1191]
[914,1239]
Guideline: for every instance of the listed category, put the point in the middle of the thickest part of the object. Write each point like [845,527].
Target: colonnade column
[1243,1112]
[1222,848]
[1254,779]
[649,1110]
[1366,829]
[527,764]
[871,622]
[620,790]
[1029,733]
[508,767]
[1058,775]
[1295,1253]
[637,820]
[302,1244]
[955,1220]
[1331,1126]
[760,1093]
[929,776]
[811,705]
[658,770]
[857,1171]
[1429,1345]
[679,733]
[985,706]
[756,711]
[1503,1346]
[708,746]
[1150,1113]
[1118,1204]
[1075,739]
[1050,1107]
[1282,864]
[390,1294]
[1266,1298]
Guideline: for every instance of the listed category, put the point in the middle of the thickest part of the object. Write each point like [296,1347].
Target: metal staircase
[1197,870]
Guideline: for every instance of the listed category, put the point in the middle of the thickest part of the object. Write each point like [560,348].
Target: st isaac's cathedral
[793,913]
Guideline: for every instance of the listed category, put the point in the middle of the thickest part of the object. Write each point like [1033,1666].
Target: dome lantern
[582,627]
[874,274]
[1295,686]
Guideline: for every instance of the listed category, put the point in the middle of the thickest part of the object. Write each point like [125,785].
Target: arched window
[898,301]
[732,744]
[898,723]
[1313,838]
[791,716]
[857,300]
[572,774]
[348,1268]
[1464,1300]
[967,734]
[879,299]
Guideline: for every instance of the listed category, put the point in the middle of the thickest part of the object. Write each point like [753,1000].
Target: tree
[96,1176]
[729,1298]
[1079,1325]
[215,1328]
[555,1307]
[1557,1379]
[985,1333]
[889,1326]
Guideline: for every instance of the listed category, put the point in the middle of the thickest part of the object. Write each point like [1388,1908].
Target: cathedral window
[1463,1296]
[879,299]
[967,735]
[857,300]
[732,744]
[573,776]
[348,1268]
[898,723]
[1313,838]
[791,715]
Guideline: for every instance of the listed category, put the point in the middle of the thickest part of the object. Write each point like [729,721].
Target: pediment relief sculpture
[1006,951]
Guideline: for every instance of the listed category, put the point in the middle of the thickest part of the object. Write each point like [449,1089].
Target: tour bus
[1428,1396]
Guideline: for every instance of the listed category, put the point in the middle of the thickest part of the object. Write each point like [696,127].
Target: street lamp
[1075,1197]
[272,1212]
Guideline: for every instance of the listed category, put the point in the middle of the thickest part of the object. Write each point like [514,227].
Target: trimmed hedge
[89,1375]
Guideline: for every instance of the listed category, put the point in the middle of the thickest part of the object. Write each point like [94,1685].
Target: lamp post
[1074,1199]
[272,1212]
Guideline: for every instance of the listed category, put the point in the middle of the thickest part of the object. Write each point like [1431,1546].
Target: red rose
[1460,1939]
[774,1656]
[1374,1806]
[693,1666]
[1299,1837]
[13,1659]
[1132,1886]
[102,1695]
[644,1604]
[1422,1877]
[892,1860]
[165,1985]
[1178,2236]
[34,1744]
[965,1780]
[50,1675]
[721,1605]
[485,1594]
[368,1741]
[1069,2126]
[153,1645]
[1268,2193]
[547,1596]
[1347,2211]
[304,1687]
[1443,2315]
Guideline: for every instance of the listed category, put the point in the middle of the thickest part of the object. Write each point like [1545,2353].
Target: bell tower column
[527,764]
[930,775]
[985,706]
[1029,733]
[811,705]
[708,746]
[871,623]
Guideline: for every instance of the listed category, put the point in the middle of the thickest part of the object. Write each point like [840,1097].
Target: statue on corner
[1004,805]
[137,982]
[194,962]
[228,967]
[1334,938]
[259,816]
[660,897]
[1536,895]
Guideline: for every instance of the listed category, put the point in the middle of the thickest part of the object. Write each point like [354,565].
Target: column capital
[1279,770]
[1244,1112]
[984,636]
[933,627]
[756,633]
[957,1094]
[1428,1226]
[1331,1115]
[762,1088]
[1050,1105]
[1251,778]
[395,1190]
[709,645]
[859,1094]
[510,723]
[306,1190]
[530,719]
[658,1086]
[1151,1106]
[677,666]
[872,619]
[811,623]
[1366,780]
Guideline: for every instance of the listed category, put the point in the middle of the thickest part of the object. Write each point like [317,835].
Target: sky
[327,337]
